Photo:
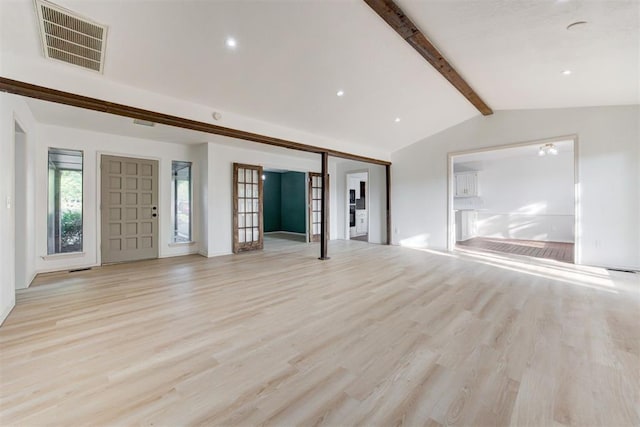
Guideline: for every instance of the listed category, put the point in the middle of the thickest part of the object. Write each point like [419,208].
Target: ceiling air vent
[71,38]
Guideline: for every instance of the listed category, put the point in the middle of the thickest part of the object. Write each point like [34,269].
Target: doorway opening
[285,213]
[519,199]
[358,206]
[20,191]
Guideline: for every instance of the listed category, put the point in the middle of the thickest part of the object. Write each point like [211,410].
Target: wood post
[388,181]
[324,225]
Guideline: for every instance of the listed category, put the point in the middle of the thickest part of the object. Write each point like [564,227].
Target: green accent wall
[272,201]
[292,205]
[284,202]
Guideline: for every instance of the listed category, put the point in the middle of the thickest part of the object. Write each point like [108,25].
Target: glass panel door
[247,208]
[315,206]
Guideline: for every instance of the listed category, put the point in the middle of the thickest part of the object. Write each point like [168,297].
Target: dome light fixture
[547,149]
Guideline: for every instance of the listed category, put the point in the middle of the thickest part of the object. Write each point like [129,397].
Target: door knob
[154,215]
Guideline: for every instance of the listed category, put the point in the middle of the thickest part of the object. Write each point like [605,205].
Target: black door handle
[154,215]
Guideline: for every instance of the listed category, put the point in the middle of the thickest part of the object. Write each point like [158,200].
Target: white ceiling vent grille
[71,38]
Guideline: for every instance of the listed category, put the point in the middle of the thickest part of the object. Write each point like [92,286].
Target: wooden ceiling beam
[53,95]
[400,22]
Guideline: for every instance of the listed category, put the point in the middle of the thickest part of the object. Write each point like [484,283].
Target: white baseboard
[5,313]
[30,281]
[67,268]
[215,254]
[193,252]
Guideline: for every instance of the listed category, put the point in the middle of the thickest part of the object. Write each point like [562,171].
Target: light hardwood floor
[375,336]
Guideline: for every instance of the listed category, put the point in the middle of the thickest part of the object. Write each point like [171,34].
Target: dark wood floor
[534,248]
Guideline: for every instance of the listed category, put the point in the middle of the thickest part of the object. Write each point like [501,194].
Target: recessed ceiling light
[566,72]
[397,119]
[231,43]
[340,93]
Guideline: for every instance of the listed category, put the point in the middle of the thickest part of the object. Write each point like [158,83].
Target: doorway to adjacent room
[285,213]
[358,206]
[519,200]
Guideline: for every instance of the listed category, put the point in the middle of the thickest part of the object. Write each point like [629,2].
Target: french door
[248,226]
[315,206]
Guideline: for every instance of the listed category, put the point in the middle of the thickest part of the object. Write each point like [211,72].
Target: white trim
[347,235]
[216,254]
[577,256]
[33,277]
[7,311]
[63,255]
[66,268]
[174,244]
[193,252]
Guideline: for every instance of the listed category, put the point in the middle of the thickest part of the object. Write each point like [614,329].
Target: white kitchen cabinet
[466,225]
[361,221]
[466,184]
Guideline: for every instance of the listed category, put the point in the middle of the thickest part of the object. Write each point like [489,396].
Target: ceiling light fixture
[340,93]
[547,149]
[231,43]
[397,119]
[566,73]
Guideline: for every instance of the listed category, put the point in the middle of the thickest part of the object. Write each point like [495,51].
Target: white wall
[12,109]
[608,170]
[526,197]
[377,199]
[202,194]
[93,144]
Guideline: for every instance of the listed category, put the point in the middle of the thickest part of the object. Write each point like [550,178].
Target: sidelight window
[181,201]
[64,218]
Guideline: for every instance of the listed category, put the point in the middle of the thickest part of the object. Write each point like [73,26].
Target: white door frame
[347,232]
[451,238]
[98,218]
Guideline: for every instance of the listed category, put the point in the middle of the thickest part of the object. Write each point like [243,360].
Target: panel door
[248,227]
[129,209]
[315,206]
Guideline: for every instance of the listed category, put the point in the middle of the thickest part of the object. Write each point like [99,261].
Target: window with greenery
[181,201]
[64,223]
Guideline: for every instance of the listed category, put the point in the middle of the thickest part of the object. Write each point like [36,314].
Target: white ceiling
[293,56]
[513,52]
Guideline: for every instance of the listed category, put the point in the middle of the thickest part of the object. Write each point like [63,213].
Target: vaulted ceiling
[292,57]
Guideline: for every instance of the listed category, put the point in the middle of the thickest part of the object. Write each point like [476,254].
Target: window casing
[65,206]
[181,202]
